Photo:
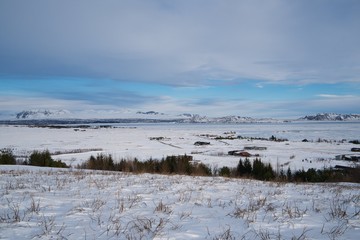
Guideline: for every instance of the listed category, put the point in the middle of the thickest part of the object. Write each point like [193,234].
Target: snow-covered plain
[45,203]
[134,140]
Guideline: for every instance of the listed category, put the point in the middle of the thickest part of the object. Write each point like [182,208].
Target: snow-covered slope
[44,203]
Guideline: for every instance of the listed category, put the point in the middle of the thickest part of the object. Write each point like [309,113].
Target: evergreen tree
[269,172]
[258,169]
[38,158]
[7,157]
[224,172]
[240,170]
[282,176]
[247,167]
[289,175]
[43,159]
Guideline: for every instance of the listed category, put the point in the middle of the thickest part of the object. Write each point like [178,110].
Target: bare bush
[338,209]
[34,206]
[161,207]
[226,235]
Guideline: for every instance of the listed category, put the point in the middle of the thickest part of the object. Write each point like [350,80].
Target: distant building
[353,158]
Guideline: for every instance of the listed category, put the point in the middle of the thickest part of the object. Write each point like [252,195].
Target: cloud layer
[249,57]
[182,43]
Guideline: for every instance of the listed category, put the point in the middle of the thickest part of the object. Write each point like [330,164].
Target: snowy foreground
[45,203]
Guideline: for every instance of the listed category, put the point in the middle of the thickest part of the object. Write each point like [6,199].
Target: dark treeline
[261,171]
[257,170]
[245,169]
[37,158]
[169,165]
[185,165]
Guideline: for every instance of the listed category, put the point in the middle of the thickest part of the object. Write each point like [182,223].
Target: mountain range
[153,116]
[332,117]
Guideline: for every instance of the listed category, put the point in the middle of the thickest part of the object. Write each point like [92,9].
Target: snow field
[134,141]
[45,203]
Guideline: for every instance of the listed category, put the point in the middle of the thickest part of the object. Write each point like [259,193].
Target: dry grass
[124,206]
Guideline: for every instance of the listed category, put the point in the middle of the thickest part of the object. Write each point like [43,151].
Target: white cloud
[335,96]
[259,85]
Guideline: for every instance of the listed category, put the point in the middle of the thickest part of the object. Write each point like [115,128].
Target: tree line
[184,165]
[181,164]
[36,158]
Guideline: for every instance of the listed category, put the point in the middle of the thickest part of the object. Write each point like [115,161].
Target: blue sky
[249,58]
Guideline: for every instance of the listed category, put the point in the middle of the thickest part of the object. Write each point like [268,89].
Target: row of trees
[170,165]
[257,170]
[321,175]
[261,171]
[184,164]
[37,158]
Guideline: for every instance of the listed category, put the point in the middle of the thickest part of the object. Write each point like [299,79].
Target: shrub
[224,172]
[201,170]
[38,158]
[43,159]
[354,175]
[7,157]
[101,162]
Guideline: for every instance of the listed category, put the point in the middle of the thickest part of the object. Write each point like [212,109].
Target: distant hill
[227,119]
[332,117]
[149,113]
[40,114]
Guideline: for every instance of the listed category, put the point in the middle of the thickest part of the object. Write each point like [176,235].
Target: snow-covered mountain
[42,113]
[153,116]
[132,115]
[332,117]
[227,119]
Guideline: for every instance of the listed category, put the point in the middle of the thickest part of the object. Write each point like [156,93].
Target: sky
[254,58]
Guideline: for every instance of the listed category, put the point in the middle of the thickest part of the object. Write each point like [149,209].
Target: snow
[45,203]
[40,114]
[332,117]
[134,140]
